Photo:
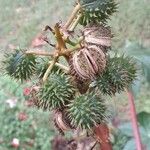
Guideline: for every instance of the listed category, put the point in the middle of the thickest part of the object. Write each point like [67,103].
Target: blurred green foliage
[125,130]
[31,131]
[132,22]
[22,20]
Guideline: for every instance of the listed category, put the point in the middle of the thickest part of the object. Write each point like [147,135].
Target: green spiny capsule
[97,11]
[87,111]
[56,92]
[119,74]
[19,65]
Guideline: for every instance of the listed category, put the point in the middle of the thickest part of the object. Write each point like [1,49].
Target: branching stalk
[75,23]
[59,37]
[61,66]
[49,28]
[52,54]
[68,51]
[73,15]
[39,52]
[49,69]
[75,43]
[68,41]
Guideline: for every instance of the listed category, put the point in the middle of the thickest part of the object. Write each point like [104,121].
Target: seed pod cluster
[90,60]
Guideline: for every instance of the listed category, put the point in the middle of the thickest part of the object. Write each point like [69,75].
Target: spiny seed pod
[88,62]
[94,11]
[87,111]
[97,34]
[118,75]
[61,143]
[33,97]
[62,121]
[56,92]
[20,65]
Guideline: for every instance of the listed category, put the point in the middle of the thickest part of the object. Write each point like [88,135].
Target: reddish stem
[134,120]
[102,136]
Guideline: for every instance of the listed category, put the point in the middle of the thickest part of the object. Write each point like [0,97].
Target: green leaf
[144,120]
[119,140]
[126,129]
[130,145]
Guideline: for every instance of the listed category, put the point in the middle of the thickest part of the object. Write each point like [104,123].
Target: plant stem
[49,69]
[39,52]
[102,136]
[68,41]
[73,15]
[75,23]
[134,120]
[49,28]
[66,69]
[68,51]
[59,37]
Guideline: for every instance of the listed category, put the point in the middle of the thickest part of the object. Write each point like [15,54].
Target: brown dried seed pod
[62,122]
[88,62]
[58,128]
[98,35]
[61,143]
